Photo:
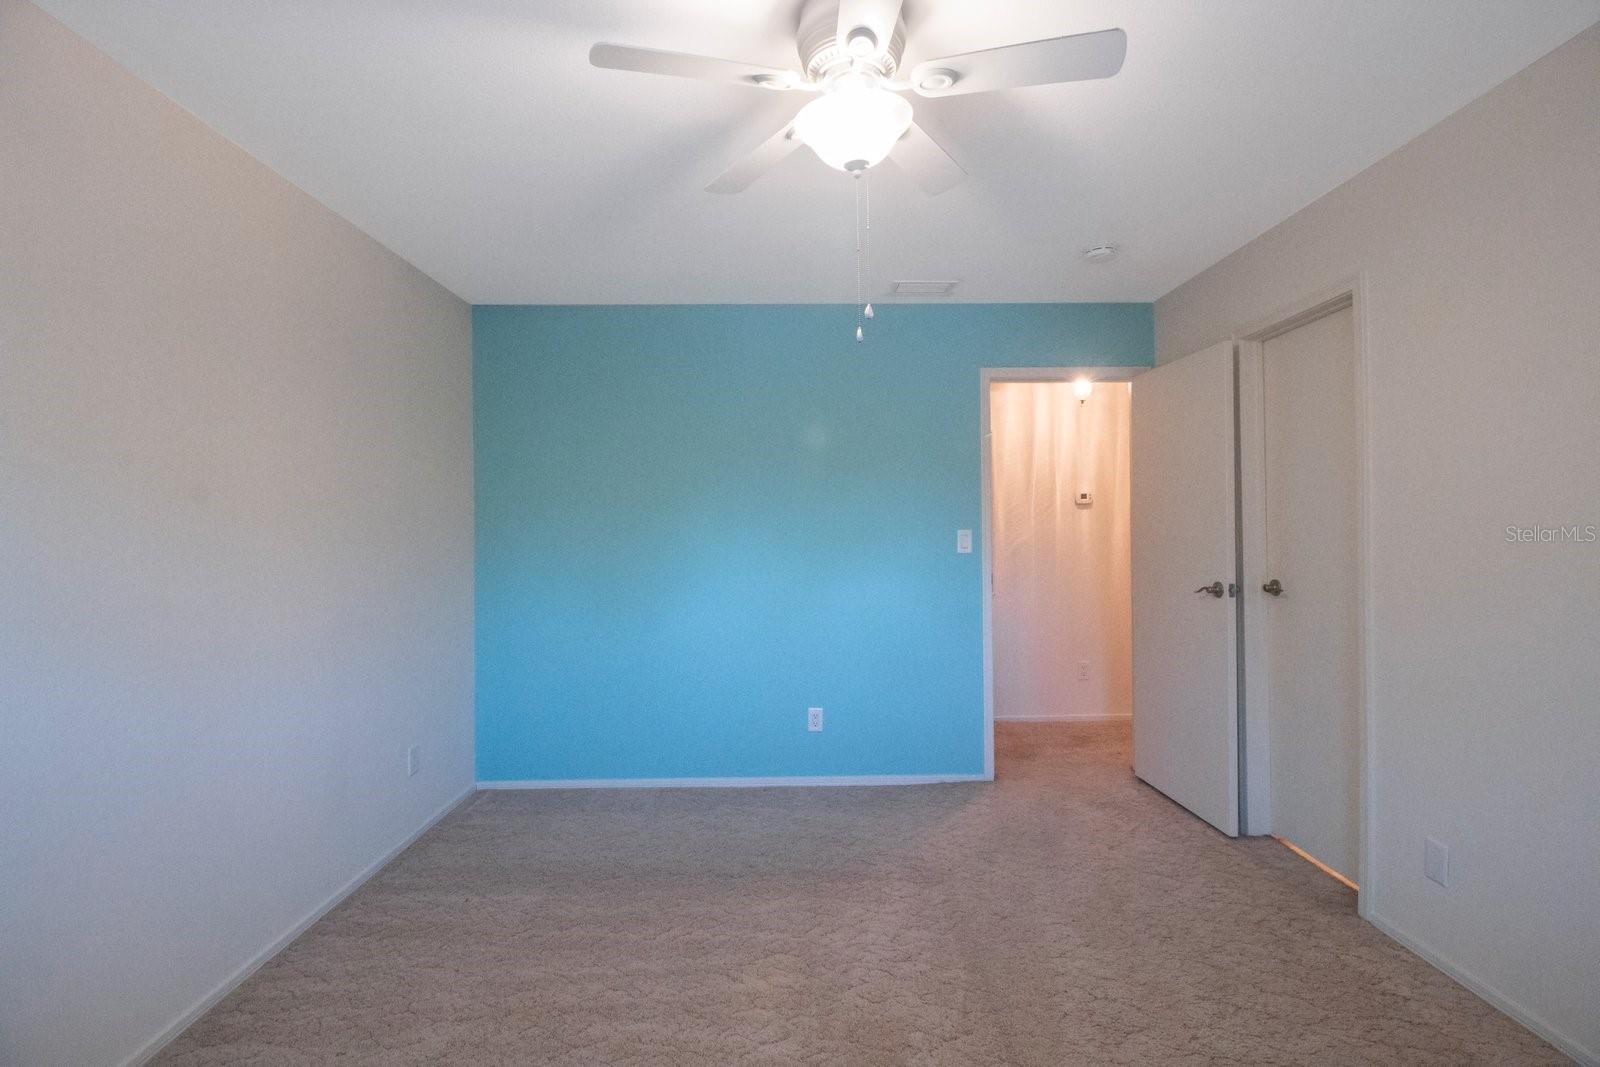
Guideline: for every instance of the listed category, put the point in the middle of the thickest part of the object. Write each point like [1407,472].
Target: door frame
[986,376]
[1352,294]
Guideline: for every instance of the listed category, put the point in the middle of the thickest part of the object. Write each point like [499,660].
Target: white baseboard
[1063,718]
[1588,1057]
[234,980]
[732,783]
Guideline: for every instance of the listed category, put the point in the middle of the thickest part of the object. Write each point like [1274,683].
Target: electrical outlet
[813,719]
[413,760]
[1436,861]
[1083,670]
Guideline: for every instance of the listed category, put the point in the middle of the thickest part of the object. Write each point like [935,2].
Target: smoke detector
[1100,254]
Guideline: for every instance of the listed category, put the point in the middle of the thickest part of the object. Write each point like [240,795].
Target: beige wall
[235,553]
[1479,246]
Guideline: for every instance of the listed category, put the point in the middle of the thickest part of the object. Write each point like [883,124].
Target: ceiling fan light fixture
[861,42]
[937,80]
[853,125]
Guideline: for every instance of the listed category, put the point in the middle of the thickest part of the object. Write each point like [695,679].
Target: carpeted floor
[1066,914]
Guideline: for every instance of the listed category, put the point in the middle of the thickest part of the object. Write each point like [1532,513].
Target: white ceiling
[474,139]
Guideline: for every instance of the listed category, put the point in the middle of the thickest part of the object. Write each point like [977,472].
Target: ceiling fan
[850,53]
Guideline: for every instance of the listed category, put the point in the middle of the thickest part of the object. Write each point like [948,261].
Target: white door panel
[1312,516]
[1185,717]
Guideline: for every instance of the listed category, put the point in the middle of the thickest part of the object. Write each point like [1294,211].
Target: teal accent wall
[694,522]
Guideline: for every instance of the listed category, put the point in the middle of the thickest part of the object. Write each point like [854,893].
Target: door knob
[1273,588]
[1215,589]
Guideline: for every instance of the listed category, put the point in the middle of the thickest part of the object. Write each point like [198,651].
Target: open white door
[1185,668]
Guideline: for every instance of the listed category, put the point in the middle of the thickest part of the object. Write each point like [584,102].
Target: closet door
[1309,602]
[1185,673]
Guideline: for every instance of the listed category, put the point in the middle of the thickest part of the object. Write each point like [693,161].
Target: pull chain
[866,266]
[859,335]
[863,224]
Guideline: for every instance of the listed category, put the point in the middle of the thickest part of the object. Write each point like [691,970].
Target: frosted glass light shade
[854,124]
[1081,388]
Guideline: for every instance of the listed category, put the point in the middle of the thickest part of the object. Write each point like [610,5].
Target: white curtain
[1062,596]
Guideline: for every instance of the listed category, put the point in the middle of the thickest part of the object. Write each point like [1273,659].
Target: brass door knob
[1215,589]
[1273,588]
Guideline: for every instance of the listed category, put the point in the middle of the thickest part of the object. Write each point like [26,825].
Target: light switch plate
[963,541]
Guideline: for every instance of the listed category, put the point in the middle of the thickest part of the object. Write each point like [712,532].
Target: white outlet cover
[1436,861]
[813,719]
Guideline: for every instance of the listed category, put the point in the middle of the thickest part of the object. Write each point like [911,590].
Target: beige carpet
[1064,915]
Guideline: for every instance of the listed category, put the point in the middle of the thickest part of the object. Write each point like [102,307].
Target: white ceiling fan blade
[1081,57]
[681,65]
[878,16]
[767,155]
[929,165]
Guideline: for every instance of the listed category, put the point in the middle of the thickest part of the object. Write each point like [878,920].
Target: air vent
[923,288]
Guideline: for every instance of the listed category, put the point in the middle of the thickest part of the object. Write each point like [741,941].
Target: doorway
[1057,599]
[1308,600]
[1251,580]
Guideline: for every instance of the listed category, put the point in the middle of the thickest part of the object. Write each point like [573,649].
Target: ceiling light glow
[853,125]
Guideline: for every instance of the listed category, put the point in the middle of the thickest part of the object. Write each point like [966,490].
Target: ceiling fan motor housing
[824,56]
